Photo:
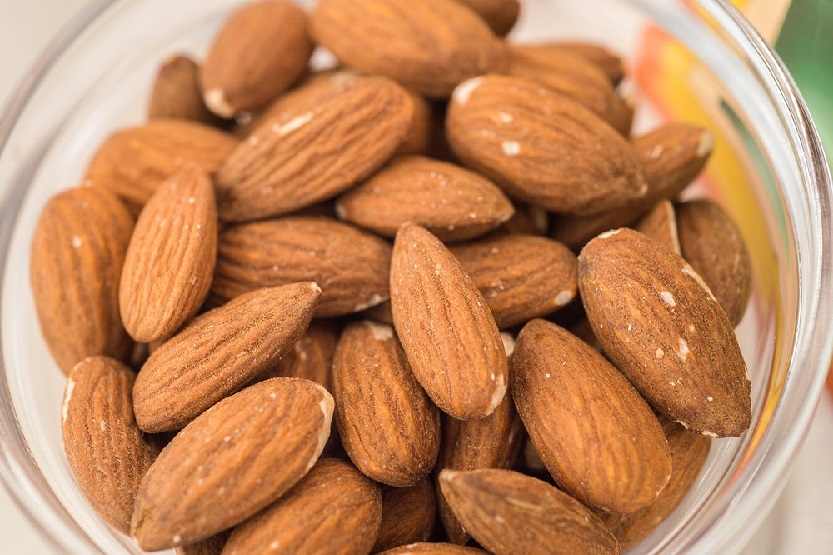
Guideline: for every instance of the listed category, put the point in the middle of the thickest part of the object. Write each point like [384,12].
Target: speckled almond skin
[231,462]
[660,224]
[408,515]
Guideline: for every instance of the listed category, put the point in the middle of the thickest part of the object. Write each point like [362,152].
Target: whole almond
[452,203]
[428,548]
[712,243]
[258,53]
[542,147]
[134,162]
[420,131]
[445,326]
[315,151]
[210,546]
[351,266]
[528,219]
[659,323]
[660,224]
[334,509]
[220,352]
[520,276]
[509,513]
[500,15]
[595,434]
[176,92]
[428,47]
[312,355]
[170,260]
[603,58]
[223,467]
[387,424]
[77,253]
[407,516]
[106,451]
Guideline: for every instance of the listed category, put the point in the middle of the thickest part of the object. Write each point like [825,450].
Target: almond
[520,276]
[712,243]
[210,546]
[542,147]
[428,47]
[220,352]
[134,162]
[528,219]
[595,434]
[77,253]
[662,327]
[170,260]
[314,151]
[500,15]
[427,548]
[510,513]
[176,92]
[445,326]
[351,266]
[387,424]
[312,355]
[420,131]
[660,224]
[407,516]
[334,509]
[106,451]
[603,58]
[258,53]
[452,203]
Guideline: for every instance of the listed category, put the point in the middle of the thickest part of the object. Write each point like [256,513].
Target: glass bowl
[692,60]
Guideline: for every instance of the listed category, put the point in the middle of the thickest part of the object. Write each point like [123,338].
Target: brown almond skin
[520,276]
[446,327]
[135,161]
[209,546]
[429,548]
[510,513]
[603,58]
[422,122]
[595,434]
[659,323]
[660,224]
[500,15]
[260,51]
[176,92]
[387,425]
[334,509]
[106,451]
[712,243]
[452,203]
[408,516]
[527,220]
[542,147]
[312,355]
[429,48]
[351,266]
[321,147]
[203,363]
[78,249]
[170,260]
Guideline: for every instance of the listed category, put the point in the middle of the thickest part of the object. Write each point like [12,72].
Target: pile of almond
[352,303]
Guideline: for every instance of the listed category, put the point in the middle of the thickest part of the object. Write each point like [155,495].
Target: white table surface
[802,522]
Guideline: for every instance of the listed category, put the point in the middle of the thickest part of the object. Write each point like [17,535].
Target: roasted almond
[176,92]
[407,516]
[170,260]
[603,58]
[224,467]
[660,224]
[106,451]
[334,509]
[500,15]
[312,355]
[659,323]
[428,548]
[445,326]
[314,151]
[210,546]
[351,266]
[452,203]
[421,130]
[220,352]
[77,253]
[388,426]
[541,147]
[428,47]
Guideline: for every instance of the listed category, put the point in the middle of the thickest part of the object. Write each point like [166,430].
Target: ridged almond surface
[659,323]
[312,355]
[660,224]
[509,513]
[351,266]
[541,147]
[134,162]
[106,451]
[521,276]
[429,47]
[452,203]
[315,151]
[77,253]
[231,462]
[446,327]
[176,92]
[209,546]
[408,515]
[602,57]
[712,243]
[333,510]
[220,352]
[388,426]
[500,15]
[429,548]
[261,49]
[597,437]
[170,260]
